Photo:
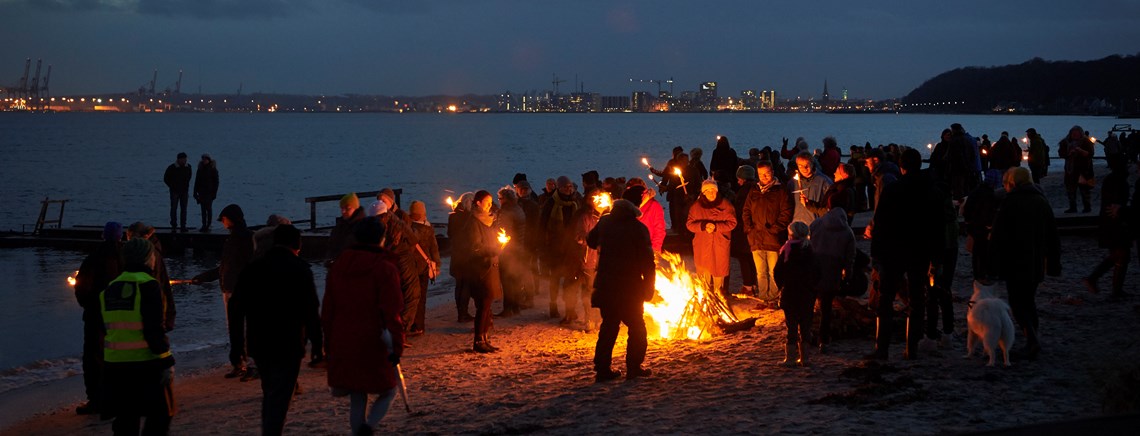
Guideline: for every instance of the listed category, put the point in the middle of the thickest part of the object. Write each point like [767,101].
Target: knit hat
[350,200]
[518,178]
[708,185]
[590,177]
[376,208]
[746,172]
[634,194]
[112,231]
[137,251]
[233,212]
[418,211]
[387,192]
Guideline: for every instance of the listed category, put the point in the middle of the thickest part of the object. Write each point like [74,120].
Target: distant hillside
[1105,86]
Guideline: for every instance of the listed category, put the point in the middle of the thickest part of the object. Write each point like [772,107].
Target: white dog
[990,322]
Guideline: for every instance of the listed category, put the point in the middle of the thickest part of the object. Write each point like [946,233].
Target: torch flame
[929,146]
[1025,140]
[677,171]
[1092,138]
[603,200]
[503,237]
[645,161]
[450,202]
[683,308]
[71,279]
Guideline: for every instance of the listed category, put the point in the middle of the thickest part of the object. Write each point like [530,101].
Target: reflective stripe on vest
[124,341]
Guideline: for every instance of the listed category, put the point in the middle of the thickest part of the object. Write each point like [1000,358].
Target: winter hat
[233,212]
[634,194]
[276,220]
[376,208]
[387,192]
[112,231]
[518,178]
[709,185]
[746,172]
[590,177]
[181,155]
[206,156]
[418,211]
[350,200]
[369,231]
[137,251]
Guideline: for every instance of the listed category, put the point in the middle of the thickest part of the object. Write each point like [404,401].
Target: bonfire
[685,307]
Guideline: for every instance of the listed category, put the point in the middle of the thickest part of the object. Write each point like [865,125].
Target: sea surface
[110,167]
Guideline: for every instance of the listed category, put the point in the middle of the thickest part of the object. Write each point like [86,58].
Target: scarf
[765,188]
[557,221]
[786,250]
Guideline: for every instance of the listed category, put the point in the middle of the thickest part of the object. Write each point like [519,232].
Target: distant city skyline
[455,47]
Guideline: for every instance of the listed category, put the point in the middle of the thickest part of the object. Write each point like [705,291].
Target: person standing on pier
[177,178]
[206,189]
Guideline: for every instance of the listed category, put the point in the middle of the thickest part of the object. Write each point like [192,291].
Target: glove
[395,359]
[167,377]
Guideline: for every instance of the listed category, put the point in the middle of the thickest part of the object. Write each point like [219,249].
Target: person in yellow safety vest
[138,365]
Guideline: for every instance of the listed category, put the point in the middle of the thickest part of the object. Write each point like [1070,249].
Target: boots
[790,358]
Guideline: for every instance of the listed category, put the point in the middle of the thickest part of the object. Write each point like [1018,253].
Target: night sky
[875,49]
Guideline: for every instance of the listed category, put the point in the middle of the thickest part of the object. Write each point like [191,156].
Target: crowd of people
[594,247]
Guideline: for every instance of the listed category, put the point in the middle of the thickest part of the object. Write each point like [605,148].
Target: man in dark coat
[723,164]
[206,189]
[177,178]
[1025,248]
[739,249]
[767,213]
[908,233]
[96,271]
[532,240]
[278,298]
[341,236]
[237,252]
[624,283]
[428,247]
[558,223]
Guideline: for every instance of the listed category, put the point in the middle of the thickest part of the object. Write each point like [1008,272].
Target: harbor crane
[658,82]
[555,82]
[34,89]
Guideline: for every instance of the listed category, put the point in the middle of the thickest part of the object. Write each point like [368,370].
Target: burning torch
[450,203]
[684,188]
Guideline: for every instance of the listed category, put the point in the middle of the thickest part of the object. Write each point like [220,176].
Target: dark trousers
[679,214]
[278,380]
[826,298]
[418,323]
[798,321]
[1023,304]
[410,285]
[1072,185]
[235,326]
[207,212]
[980,259]
[584,287]
[612,319]
[893,277]
[462,296]
[178,199]
[483,320]
[512,286]
[1116,260]
[93,358]
[939,297]
[134,391]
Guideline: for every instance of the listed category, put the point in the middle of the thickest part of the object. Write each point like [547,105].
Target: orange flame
[603,200]
[677,171]
[684,308]
[503,237]
[71,278]
[450,202]
[645,161]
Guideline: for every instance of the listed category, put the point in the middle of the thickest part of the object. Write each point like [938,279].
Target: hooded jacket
[625,259]
[362,299]
[833,244]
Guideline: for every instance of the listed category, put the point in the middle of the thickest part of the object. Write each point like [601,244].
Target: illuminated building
[707,97]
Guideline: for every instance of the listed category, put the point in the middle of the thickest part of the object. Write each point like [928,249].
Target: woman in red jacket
[364,335]
[711,219]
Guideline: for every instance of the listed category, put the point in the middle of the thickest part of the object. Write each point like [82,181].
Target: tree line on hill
[1108,86]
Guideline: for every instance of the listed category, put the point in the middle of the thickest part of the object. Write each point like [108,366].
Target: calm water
[111,165]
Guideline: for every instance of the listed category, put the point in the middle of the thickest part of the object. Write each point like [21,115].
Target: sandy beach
[542,380]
